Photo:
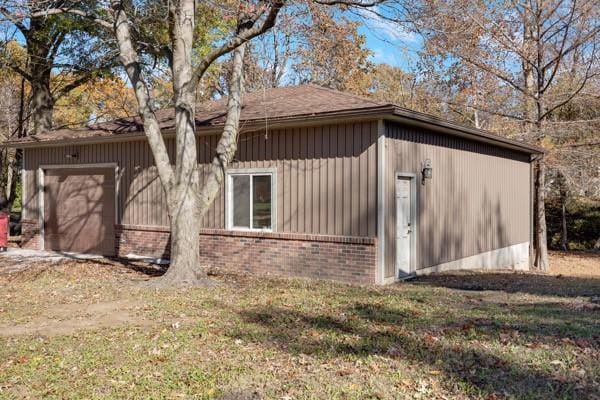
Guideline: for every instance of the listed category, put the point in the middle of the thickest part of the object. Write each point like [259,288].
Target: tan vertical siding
[477,201]
[29,190]
[326,177]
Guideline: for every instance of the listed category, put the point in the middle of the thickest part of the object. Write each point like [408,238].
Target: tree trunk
[9,173]
[9,182]
[564,239]
[184,204]
[541,244]
[190,206]
[42,106]
[4,179]
[563,194]
[187,199]
[184,268]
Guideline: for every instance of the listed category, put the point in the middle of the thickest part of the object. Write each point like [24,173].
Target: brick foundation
[30,234]
[347,259]
[142,241]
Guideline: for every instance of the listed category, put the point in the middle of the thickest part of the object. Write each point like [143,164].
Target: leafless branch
[237,40]
[63,10]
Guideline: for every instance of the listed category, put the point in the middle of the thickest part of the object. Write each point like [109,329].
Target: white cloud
[387,29]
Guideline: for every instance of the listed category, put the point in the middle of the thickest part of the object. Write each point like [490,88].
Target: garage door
[79,210]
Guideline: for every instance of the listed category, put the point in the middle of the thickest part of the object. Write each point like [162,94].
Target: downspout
[381,210]
[531,210]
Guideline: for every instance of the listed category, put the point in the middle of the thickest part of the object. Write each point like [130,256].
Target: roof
[282,105]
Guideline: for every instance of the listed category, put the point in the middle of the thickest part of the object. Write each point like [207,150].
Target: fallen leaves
[289,338]
[507,337]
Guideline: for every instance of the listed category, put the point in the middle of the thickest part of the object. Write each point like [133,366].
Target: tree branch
[571,96]
[21,72]
[73,85]
[130,60]
[240,38]
[353,3]
[14,20]
[489,111]
[227,145]
[572,47]
[63,10]
[560,55]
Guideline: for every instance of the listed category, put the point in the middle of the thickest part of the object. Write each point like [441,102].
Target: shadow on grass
[151,270]
[148,269]
[109,264]
[363,329]
[516,283]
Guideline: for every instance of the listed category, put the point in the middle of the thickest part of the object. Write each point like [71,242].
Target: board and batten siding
[326,177]
[477,201]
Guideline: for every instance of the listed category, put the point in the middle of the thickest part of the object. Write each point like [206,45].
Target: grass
[81,330]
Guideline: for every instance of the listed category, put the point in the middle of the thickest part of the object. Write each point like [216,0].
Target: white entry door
[404,230]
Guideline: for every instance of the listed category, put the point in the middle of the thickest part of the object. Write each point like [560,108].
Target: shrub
[583,223]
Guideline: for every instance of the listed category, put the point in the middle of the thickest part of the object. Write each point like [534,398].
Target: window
[250,200]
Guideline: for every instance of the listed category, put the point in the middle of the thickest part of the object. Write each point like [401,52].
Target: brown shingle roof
[272,104]
[284,105]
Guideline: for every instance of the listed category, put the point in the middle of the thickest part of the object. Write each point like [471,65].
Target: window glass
[261,202]
[241,201]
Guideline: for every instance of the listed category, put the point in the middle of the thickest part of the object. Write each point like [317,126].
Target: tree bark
[9,182]
[564,238]
[541,244]
[190,206]
[184,219]
[183,202]
[186,200]
[227,145]
[5,179]
[42,44]
[42,105]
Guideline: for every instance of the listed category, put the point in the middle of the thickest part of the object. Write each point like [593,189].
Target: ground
[89,329]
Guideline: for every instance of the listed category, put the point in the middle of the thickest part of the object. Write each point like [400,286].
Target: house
[325,185]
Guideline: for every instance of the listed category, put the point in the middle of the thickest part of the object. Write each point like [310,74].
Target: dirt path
[575,264]
[75,317]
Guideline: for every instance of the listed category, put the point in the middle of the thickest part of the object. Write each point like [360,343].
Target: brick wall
[347,259]
[30,234]
[142,240]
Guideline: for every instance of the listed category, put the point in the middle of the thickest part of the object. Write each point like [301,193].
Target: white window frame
[272,172]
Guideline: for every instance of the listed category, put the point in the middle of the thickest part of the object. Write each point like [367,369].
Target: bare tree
[312,43]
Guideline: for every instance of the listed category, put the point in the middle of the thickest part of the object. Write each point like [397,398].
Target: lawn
[90,330]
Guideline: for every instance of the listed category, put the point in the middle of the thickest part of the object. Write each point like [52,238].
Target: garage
[79,210]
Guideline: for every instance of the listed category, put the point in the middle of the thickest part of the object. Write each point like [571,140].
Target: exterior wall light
[72,156]
[426,171]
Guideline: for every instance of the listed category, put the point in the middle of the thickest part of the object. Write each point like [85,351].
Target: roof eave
[386,112]
[440,125]
[374,113]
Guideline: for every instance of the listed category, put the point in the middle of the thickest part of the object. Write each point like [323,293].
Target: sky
[389,42]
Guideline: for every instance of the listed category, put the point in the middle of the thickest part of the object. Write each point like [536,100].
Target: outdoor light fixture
[72,156]
[427,171]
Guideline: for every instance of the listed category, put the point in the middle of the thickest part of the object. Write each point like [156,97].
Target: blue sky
[389,42]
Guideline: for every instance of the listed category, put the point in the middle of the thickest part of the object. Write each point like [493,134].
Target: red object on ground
[4,219]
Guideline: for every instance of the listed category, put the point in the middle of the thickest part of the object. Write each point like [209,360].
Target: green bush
[583,223]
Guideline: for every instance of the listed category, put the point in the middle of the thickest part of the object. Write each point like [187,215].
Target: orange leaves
[100,100]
